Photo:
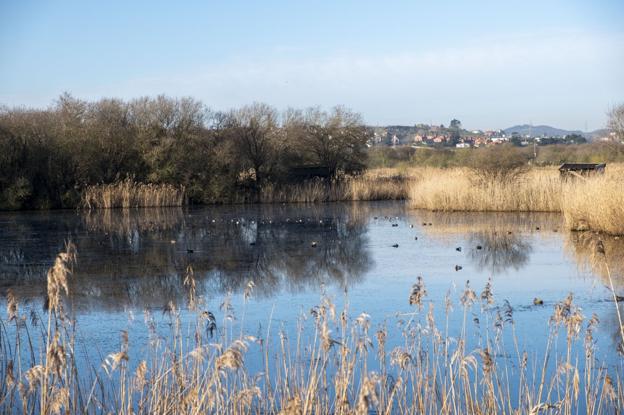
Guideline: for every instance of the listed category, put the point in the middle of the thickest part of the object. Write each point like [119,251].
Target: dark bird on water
[479,247]
[313,244]
[189,251]
[458,249]
[394,225]
[537,228]
[458,267]
[415,238]
[395,245]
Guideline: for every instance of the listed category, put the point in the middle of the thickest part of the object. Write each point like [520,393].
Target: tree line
[49,156]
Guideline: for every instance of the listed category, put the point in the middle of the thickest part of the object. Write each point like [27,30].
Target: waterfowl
[458,249]
[395,245]
[479,247]
[538,301]
[189,251]
[313,244]
[458,267]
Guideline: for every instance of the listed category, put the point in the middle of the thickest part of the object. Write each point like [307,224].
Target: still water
[366,254]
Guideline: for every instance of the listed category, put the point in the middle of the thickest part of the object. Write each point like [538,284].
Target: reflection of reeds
[330,365]
[127,221]
[130,194]
[581,246]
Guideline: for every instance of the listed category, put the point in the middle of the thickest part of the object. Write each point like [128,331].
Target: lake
[364,256]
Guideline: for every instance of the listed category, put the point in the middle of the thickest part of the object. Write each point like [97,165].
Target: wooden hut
[567,170]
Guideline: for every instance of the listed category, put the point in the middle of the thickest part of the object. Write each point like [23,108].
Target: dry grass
[595,203]
[462,190]
[334,363]
[376,184]
[130,194]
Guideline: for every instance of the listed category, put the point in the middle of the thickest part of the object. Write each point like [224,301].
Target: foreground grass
[334,363]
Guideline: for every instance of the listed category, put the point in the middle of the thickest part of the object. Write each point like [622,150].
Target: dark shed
[581,169]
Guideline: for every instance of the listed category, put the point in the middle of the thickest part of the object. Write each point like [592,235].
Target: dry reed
[376,184]
[130,194]
[588,203]
[462,190]
[333,363]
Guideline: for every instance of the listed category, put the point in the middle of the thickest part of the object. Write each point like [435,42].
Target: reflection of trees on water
[499,251]
[140,257]
[502,236]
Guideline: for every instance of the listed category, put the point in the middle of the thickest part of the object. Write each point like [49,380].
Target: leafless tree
[336,139]
[256,138]
[616,122]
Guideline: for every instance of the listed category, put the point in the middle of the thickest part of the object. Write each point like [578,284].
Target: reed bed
[596,204]
[131,194]
[377,184]
[334,363]
[462,190]
[588,203]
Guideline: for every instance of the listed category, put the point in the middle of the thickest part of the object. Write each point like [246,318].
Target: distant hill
[542,130]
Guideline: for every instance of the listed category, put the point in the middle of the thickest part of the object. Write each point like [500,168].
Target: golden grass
[595,203]
[130,194]
[461,190]
[334,362]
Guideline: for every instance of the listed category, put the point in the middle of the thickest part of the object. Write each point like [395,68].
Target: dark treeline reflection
[140,257]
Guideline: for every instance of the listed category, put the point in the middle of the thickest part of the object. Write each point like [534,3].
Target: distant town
[454,135]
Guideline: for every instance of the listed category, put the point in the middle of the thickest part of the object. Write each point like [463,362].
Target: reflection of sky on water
[138,259]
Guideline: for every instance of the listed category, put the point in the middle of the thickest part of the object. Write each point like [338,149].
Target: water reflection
[583,248]
[496,241]
[496,252]
[139,257]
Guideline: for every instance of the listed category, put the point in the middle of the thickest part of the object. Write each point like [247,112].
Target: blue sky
[490,64]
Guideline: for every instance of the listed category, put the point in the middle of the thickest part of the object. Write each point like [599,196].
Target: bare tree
[335,140]
[616,122]
[256,138]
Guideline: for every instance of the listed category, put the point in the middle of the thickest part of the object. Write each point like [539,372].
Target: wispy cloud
[545,78]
